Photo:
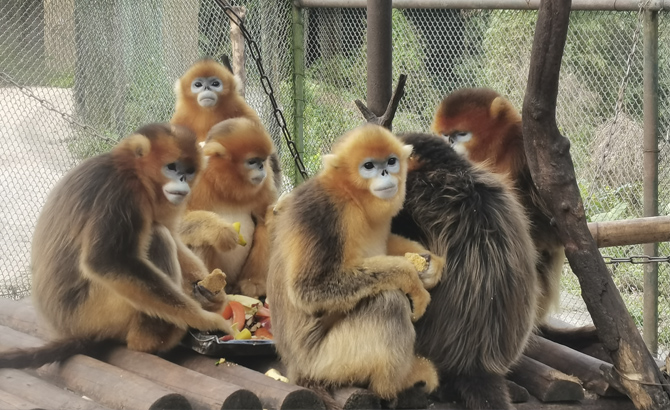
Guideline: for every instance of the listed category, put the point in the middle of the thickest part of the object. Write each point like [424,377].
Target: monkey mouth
[386,193]
[206,101]
[175,197]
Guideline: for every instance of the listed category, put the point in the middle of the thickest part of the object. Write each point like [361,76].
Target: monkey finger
[433,274]
[420,299]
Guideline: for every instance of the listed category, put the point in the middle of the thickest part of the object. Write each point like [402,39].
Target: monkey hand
[253,288]
[211,321]
[420,299]
[432,274]
[228,237]
[209,291]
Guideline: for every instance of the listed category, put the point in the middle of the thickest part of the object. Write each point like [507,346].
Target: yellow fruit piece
[246,301]
[240,238]
[276,375]
[417,260]
[243,335]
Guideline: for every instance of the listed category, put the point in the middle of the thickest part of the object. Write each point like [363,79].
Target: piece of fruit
[227,338]
[227,312]
[263,333]
[238,314]
[262,312]
[240,238]
[243,335]
[245,300]
[214,282]
[418,261]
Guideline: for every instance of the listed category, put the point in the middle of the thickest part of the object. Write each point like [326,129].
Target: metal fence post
[298,85]
[379,59]
[650,147]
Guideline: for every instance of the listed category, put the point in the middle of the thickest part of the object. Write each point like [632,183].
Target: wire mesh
[76,76]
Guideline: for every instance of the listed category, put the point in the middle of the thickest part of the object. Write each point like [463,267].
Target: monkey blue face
[382,175]
[256,170]
[457,139]
[207,90]
[179,176]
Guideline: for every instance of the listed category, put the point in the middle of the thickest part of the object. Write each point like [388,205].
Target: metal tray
[210,344]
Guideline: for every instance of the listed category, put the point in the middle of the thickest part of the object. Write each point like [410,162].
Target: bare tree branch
[386,120]
[552,169]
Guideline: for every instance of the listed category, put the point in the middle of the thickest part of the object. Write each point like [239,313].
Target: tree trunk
[553,172]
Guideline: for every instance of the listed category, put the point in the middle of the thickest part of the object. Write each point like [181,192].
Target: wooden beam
[100,381]
[573,363]
[631,231]
[42,393]
[205,391]
[272,393]
[351,398]
[545,383]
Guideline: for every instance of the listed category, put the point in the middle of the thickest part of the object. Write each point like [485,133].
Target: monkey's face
[180,175]
[207,90]
[382,174]
[254,168]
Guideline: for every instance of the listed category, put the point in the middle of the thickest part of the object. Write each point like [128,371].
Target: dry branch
[386,120]
[553,172]
[544,382]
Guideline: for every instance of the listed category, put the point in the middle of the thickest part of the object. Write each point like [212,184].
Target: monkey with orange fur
[207,94]
[236,186]
[338,279]
[107,264]
[485,127]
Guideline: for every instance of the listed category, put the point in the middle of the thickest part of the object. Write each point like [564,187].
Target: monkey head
[207,83]
[165,158]
[368,165]
[238,165]
[480,124]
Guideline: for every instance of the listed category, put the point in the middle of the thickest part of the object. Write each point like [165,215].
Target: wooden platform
[123,379]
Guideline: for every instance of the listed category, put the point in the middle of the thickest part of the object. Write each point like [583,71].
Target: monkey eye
[215,83]
[197,84]
[368,165]
[392,161]
[172,166]
[460,136]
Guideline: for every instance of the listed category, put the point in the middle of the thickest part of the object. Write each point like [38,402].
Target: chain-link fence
[75,76]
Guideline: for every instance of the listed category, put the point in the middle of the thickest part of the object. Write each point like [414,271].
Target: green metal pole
[298,86]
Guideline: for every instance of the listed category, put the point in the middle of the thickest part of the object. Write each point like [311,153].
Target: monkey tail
[55,351]
[323,391]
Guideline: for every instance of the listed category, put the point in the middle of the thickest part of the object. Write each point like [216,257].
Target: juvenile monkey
[236,186]
[486,128]
[483,311]
[106,261]
[338,282]
[207,94]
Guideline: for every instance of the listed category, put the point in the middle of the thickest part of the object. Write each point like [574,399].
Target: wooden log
[21,315]
[631,231]
[41,393]
[573,363]
[350,398]
[272,393]
[205,391]
[545,383]
[9,401]
[100,381]
[517,394]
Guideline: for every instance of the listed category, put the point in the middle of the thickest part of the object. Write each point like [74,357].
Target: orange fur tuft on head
[228,146]
[492,120]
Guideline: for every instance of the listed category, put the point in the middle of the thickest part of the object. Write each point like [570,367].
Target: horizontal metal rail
[604,5]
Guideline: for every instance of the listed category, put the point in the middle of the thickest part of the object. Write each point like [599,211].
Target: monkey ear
[329,160]
[137,144]
[498,108]
[407,151]
[213,148]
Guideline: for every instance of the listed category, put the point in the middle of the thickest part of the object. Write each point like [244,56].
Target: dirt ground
[33,156]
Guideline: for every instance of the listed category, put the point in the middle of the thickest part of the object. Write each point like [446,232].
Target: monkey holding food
[483,311]
[237,185]
[338,279]
[107,263]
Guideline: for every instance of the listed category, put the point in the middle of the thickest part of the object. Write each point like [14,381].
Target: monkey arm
[398,245]
[115,263]
[205,228]
[318,287]
[252,279]
[194,270]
